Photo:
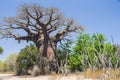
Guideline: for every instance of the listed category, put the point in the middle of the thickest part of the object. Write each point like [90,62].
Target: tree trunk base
[44,67]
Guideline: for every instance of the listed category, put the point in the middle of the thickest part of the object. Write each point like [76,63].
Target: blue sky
[98,16]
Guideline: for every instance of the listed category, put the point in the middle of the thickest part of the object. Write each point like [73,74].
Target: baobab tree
[43,26]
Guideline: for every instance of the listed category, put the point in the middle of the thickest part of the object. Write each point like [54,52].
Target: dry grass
[104,74]
[7,72]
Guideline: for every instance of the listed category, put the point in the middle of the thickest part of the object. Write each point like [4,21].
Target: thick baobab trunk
[46,60]
[45,46]
[46,63]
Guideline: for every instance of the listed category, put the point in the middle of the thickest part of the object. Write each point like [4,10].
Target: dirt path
[43,77]
[5,76]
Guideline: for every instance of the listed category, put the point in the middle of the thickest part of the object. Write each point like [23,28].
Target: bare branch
[36,20]
[23,38]
[71,26]
[52,28]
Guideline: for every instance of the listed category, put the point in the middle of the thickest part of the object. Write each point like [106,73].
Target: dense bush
[93,51]
[26,59]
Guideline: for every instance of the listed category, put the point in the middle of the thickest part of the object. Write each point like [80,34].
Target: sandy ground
[42,77]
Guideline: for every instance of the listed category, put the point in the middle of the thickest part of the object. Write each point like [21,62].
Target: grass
[7,72]
[103,74]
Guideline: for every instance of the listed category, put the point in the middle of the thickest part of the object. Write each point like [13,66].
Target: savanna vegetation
[86,54]
[89,53]
[93,52]
[9,65]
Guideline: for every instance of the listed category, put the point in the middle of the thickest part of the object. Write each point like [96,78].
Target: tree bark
[45,46]
[46,61]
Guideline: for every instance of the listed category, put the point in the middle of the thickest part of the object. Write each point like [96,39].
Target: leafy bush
[26,59]
[92,51]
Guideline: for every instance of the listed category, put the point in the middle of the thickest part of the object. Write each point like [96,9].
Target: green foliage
[92,51]
[1,50]
[8,65]
[63,53]
[26,59]
[3,66]
[64,50]
[11,61]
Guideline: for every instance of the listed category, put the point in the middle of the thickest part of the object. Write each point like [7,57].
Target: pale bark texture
[43,26]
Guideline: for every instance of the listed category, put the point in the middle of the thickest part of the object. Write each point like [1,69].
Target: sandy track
[5,76]
[43,77]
